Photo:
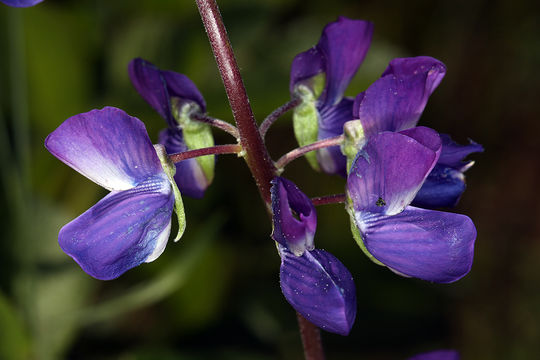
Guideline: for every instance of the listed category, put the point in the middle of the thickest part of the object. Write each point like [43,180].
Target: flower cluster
[390,163]
[396,173]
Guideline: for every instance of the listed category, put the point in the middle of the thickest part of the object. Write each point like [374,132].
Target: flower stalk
[276,114]
[213,150]
[311,339]
[329,199]
[257,157]
[301,151]
[217,123]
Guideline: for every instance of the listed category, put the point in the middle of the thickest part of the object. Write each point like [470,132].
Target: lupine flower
[397,99]
[319,77]
[395,102]
[294,232]
[384,179]
[437,355]
[313,281]
[21,3]
[130,225]
[176,98]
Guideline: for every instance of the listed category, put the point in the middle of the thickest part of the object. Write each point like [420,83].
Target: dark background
[215,294]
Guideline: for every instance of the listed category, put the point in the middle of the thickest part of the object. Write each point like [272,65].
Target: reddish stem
[213,150]
[217,123]
[328,199]
[276,114]
[298,152]
[311,339]
[257,156]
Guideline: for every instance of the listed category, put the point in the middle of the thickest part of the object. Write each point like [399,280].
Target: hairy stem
[217,123]
[311,339]
[298,152]
[213,150]
[329,199]
[257,157]
[276,114]
[256,154]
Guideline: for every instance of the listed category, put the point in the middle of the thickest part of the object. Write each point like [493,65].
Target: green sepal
[170,170]
[353,142]
[356,233]
[196,134]
[306,116]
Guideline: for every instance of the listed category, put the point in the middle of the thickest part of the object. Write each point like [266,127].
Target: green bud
[353,142]
[170,170]
[306,116]
[196,134]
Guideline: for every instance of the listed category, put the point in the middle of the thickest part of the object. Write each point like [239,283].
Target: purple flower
[21,3]
[313,281]
[176,98]
[384,179]
[294,217]
[395,102]
[397,99]
[319,77]
[130,225]
[437,355]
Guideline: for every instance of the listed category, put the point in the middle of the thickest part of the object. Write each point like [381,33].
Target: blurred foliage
[216,293]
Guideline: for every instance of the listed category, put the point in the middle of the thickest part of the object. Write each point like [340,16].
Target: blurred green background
[215,294]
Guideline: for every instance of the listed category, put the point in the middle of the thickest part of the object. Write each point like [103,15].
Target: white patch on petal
[161,242]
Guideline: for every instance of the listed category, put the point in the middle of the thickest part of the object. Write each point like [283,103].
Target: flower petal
[294,233]
[443,188]
[150,84]
[344,44]
[426,244]
[332,119]
[396,101]
[452,154]
[123,230]
[189,176]
[107,146]
[21,3]
[437,355]
[179,85]
[319,287]
[388,172]
[304,66]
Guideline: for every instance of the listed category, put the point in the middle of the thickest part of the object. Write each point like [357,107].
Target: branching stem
[213,150]
[298,152]
[217,123]
[257,157]
[329,199]
[276,114]
[311,339]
